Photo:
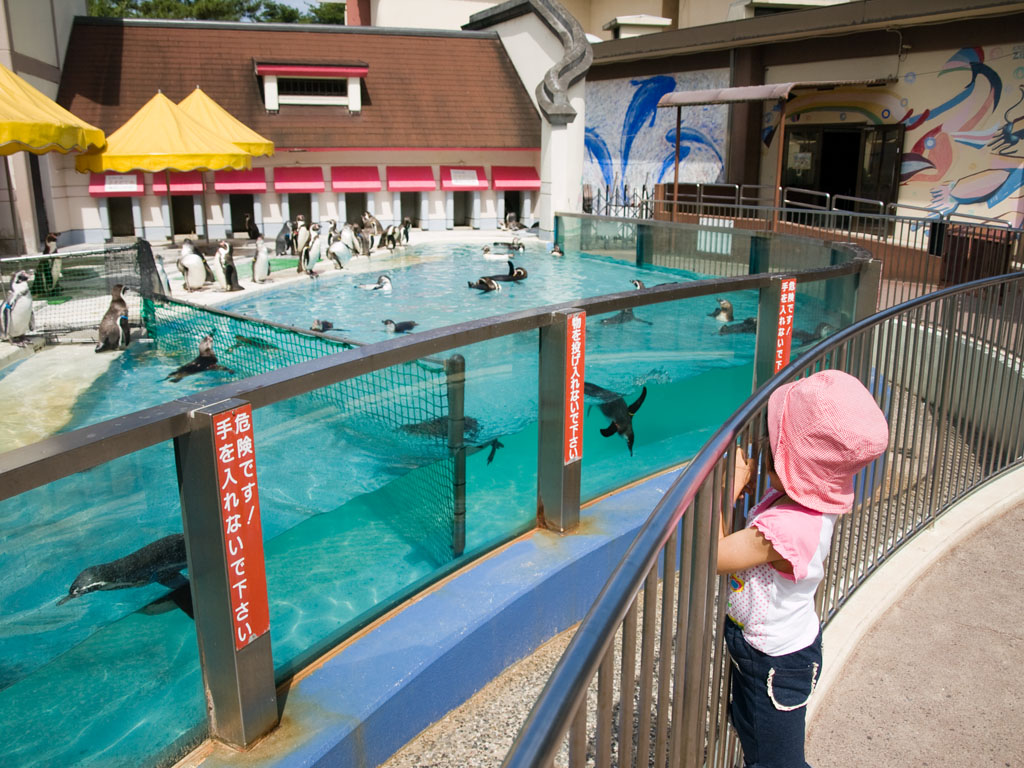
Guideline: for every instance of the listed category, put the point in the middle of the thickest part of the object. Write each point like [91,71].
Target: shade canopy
[160,137]
[411,178]
[512,177]
[768,92]
[211,114]
[32,122]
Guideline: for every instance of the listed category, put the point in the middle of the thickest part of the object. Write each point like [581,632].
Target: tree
[218,10]
[328,13]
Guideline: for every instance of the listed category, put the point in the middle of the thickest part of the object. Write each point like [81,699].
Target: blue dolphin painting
[598,149]
[688,139]
[642,110]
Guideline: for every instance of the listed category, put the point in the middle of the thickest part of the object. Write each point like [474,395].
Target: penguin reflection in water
[613,405]
[160,562]
[204,361]
[114,331]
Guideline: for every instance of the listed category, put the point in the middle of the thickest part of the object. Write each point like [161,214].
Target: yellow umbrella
[162,137]
[211,114]
[30,121]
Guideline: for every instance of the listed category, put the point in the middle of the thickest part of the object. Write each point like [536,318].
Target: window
[312,84]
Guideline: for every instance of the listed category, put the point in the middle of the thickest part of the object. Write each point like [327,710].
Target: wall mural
[964,116]
[630,143]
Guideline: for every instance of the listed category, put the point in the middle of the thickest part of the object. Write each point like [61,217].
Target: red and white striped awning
[411,178]
[184,183]
[513,177]
[116,184]
[299,179]
[240,182]
[355,178]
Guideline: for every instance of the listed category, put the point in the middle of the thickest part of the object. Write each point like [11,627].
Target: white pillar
[449,209]
[424,210]
[314,208]
[137,222]
[342,211]
[474,211]
[225,210]
[257,214]
[396,207]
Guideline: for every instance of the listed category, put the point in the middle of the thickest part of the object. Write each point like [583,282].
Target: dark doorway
[184,216]
[462,206]
[355,207]
[300,202]
[513,203]
[840,151]
[119,210]
[42,220]
[411,207]
[241,205]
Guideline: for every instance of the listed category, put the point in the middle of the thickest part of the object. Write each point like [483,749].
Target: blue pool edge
[366,700]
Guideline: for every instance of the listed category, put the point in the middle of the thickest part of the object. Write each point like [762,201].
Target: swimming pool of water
[342,540]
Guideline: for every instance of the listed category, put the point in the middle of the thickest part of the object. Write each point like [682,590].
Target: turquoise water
[342,540]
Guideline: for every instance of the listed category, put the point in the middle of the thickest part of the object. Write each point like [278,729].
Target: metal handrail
[560,704]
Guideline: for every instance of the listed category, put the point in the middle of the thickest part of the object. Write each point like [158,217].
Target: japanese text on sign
[240,518]
[787,303]
[575,348]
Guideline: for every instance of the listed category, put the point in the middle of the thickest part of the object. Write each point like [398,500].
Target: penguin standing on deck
[390,237]
[283,243]
[193,266]
[406,226]
[332,233]
[311,253]
[300,238]
[372,228]
[261,263]
[226,261]
[16,318]
[114,331]
[250,228]
[161,273]
[48,271]
[724,312]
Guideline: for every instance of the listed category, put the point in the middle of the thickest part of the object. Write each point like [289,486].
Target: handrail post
[558,480]
[869,281]
[455,372]
[239,681]
[767,331]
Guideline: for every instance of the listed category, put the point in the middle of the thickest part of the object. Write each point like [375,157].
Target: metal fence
[645,679]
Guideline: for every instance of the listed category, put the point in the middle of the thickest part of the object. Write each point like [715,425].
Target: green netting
[404,405]
[71,291]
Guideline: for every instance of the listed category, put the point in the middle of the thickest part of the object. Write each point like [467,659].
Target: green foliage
[328,13]
[218,10]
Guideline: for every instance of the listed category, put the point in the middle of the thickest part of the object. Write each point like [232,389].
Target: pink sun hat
[823,430]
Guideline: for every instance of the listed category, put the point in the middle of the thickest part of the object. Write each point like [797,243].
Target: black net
[402,409]
[71,291]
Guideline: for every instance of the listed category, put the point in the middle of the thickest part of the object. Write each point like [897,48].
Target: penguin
[517,245]
[485,284]
[16,317]
[261,263]
[321,325]
[160,562]
[206,360]
[283,243]
[310,252]
[406,226]
[218,269]
[638,284]
[48,271]
[821,331]
[487,254]
[332,232]
[515,274]
[748,325]
[625,316]
[402,326]
[161,273]
[226,258]
[614,407]
[556,250]
[512,221]
[351,239]
[372,228]
[390,237]
[193,266]
[251,229]
[114,331]
[724,312]
[383,284]
[300,238]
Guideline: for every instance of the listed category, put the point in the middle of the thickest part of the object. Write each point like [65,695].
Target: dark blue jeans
[769,697]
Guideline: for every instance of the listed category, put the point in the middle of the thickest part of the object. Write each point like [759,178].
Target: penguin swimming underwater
[160,562]
[625,316]
[204,361]
[261,262]
[16,317]
[114,331]
[402,326]
[724,312]
[485,284]
[613,405]
[383,284]
[514,275]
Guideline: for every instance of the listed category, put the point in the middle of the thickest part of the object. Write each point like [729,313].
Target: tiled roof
[421,90]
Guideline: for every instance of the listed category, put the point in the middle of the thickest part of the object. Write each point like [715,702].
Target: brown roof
[422,89]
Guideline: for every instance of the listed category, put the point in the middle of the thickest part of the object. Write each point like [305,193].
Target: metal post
[767,331]
[455,372]
[239,682]
[868,281]
[760,251]
[558,481]
[675,180]
[644,244]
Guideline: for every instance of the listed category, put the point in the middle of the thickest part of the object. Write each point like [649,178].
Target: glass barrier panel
[100,660]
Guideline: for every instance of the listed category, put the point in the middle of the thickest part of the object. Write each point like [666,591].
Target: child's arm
[748,547]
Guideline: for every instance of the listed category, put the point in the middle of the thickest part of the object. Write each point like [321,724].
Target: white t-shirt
[775,609]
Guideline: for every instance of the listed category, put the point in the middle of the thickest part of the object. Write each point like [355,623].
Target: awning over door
[463,178]
[513,177]
[240,182]
[769,92]
[116,184]
[411,178]
[299,179]
[355,178]
[185,183]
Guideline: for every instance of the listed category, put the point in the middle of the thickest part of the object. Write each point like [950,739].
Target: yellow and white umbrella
[211,114]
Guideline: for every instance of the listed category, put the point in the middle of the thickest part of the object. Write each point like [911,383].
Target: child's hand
[746,472]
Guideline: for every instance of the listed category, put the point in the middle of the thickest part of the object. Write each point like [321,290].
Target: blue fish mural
[971,59]
[642,110]
[598,150]
[689,138]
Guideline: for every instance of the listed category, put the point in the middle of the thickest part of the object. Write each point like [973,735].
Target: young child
[822,430]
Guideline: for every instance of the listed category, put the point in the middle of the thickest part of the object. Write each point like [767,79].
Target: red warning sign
[787,303]
[240,520]
[575,348]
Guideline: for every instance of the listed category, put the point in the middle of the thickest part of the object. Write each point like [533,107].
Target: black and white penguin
[383,284]
[193,266]
[613,405]
[283,244]
[821,331]
[491,256]
[310,253]
[372,228]
[638,284]
[351,239]
[300,238]
[161,273]
[556,250]
[389,239]
[251,229]
[402,326]
[332,233]
[218,269]
[748,325]
[406,226]
[321,325]
[206,360]
[48,271]
[514,275]
[485,284]
[724,312]
[114,331]
[160,562]
[261,262]
[517,245]
[512,221]
[16,318]
[226,259]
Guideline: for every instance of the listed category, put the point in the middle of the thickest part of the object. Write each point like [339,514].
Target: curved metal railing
[947,370]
